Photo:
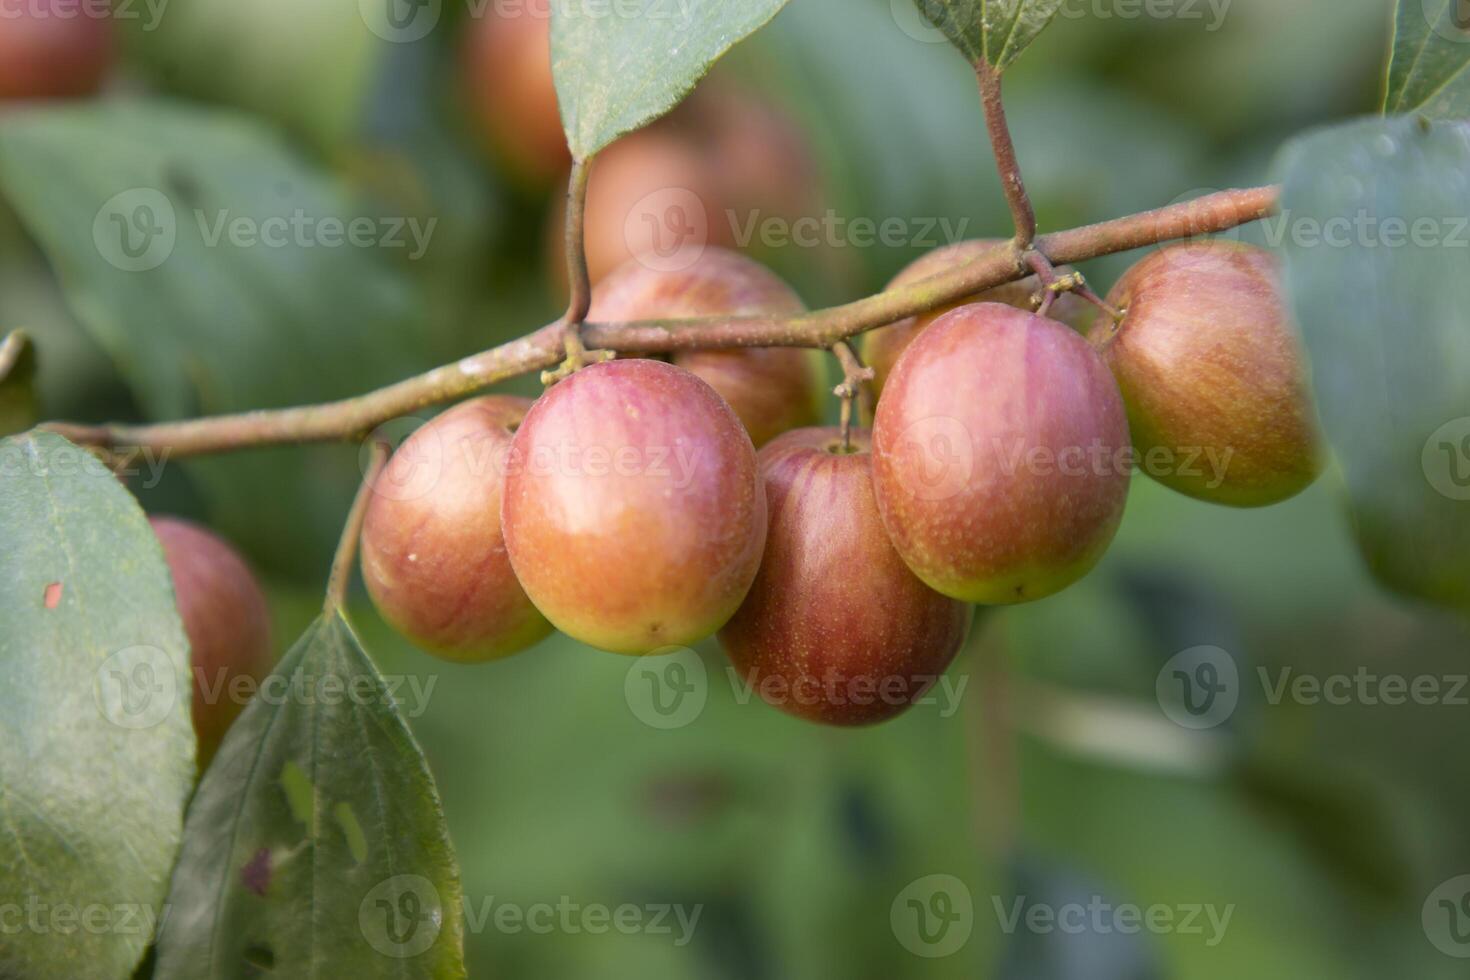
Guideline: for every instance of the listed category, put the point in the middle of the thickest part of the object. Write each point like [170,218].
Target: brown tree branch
[356,417]
[1023,215]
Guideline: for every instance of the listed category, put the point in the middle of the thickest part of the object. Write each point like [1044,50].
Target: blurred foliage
[1323,826]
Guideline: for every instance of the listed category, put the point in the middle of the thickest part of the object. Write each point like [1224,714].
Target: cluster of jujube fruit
[631,508]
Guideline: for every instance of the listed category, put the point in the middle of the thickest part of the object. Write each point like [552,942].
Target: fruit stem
[354,418]
[1072,282]
[855,378]
[577,355]
[347,547]
[1023,215]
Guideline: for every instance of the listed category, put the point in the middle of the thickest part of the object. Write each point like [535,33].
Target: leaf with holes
[990,31]
[18,408]
[1430,70]
[96,748]
[1375,269]
[316,844]
[621,66]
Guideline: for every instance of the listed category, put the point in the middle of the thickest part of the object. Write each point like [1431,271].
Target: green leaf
[210,262]
[1430,70]
[621,66]
[18,406]
[990,31]
[316,845]
[1376,247]
[96,748]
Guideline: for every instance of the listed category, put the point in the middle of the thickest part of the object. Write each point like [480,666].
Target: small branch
[1072,282]
[1023,215]
[353,418]
[855,378]
[347,547]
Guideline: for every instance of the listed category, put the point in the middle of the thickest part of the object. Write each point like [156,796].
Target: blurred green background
[1320,829]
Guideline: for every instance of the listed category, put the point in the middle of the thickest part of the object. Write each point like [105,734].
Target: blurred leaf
[18,406]
[992,31]
[321,803]
[216,269]
[619,69]
[1430,70]
[1387,324]
[96,748]
[309,64]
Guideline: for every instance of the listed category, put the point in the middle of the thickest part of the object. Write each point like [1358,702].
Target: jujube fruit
[634,512]
[771,389]
[433,553]
[881,348]
[226,618]
[1000,455]
[836,628]
[1213,374]
[53,49]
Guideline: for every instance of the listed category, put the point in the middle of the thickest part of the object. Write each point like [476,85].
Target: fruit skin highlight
[1210,367]
[881,348]
[433,553]
[836,629]
[53,49]
[771,389]
[226,618]
[1000,455]
[634,511]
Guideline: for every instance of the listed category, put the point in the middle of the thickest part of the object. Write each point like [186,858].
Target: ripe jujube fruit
[510,90]
[771,389]
[433,552]
[1000,455]
[226,618]
[836,629]
[53,49]
[881,348]
[1211,368]
[634,512]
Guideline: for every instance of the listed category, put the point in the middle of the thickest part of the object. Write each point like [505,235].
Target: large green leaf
[620,66]
[316,845]
[1430,71]
[96,749]
[1377,250]
[18,409]
[992,31]
[210,261]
